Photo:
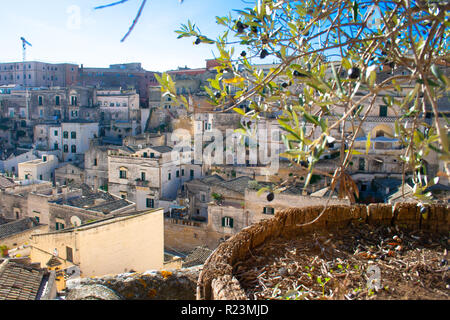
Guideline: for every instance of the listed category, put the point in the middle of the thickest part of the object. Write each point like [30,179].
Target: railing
[142,183]
[186,222]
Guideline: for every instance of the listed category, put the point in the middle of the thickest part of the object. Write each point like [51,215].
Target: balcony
[142,183]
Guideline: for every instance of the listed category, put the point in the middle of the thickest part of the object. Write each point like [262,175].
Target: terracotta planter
[216,280]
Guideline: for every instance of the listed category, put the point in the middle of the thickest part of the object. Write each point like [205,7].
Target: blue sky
[72,31]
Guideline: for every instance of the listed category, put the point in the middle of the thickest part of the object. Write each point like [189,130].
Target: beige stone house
[86,206]
[39,169]
[149,175]
[68,173]
[109,246]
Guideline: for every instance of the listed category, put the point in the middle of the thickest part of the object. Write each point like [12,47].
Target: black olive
[243,54]
[240,27]
[423,210]
[197,41]
[284,85]
[299,74]
[443,262]
[263,54]
[255,28]
[218,95]
[270,196]
[264,39]
[354,73]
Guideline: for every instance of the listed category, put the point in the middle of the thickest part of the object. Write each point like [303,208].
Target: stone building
[86,206]
[127,76]
[120,112]
[108,246]
[38,74]
[39,169]
[46,104]
[70,173]
[149,175]
[75,138]
[10,159]
[13,199]
[96,165]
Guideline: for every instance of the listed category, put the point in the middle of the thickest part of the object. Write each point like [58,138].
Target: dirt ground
[363,262]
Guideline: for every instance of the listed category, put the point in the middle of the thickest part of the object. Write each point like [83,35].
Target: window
[73,135]
[57,100]
[69,254]
[55,133]
[227,222]
[37,219]
[55,146]
[152,155]
[40,100]
[268,210]
[143,176]
[66,148]
[383,111]
[95,161]
[66,135]
[73,148]
[169,176]
[150,203]
[59,226]
[203,197]
[182,172]
[123,174]
[192,173]
[145,155]
[178,173]
[361,164]
[73,100]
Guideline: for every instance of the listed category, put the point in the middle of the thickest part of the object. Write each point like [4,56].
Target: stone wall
[150,285]
[12,204]
[184,236]
[22,238]
[216,279]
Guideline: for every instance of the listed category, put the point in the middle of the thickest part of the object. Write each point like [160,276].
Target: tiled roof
[3,220]
[90,200]
[211,179]
[196,257]
[17,226]
[19,282]
[239,184]
[6,182]
[161,149]
[53,262]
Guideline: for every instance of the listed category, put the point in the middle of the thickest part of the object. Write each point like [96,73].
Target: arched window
[123,173]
